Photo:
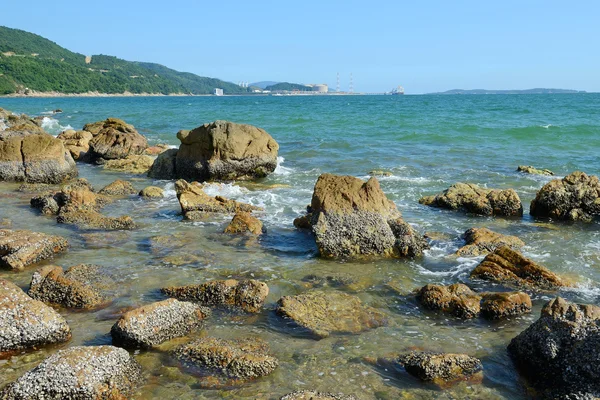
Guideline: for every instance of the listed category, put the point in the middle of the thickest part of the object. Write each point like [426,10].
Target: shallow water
[427,142]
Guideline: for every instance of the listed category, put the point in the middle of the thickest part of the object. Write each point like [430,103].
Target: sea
[426,142]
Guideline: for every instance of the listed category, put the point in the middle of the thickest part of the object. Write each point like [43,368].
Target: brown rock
[153,192]
[26,323]
[133,164]
[21,248]
[247,295]
[244,222]
[575,197]
[505,304]
[164,165]
[114,139]
[510,267]
[313,395]
[474,199]
[324,313]
[224,150]
[443,369]
[528,169]
[457,299]
[118,188]
[77,142]
[157,149]
[94,220]
[481,241]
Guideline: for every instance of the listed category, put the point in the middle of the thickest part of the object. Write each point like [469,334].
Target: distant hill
[263,84]
[286,86]
[30,61]
[526,91]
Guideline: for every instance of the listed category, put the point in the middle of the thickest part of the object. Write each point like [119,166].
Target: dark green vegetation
[29,61]
[526,91]
[289,87]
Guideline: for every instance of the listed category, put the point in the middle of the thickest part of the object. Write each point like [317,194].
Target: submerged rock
[380,172]
[528,169]
[481,241]
[156,323]
[471,198]
[223,150]
[247,295]
[324,313]
[196,204]
[26,323]
[21,248]
[152,192]
[80,286]
[77,142]
[575,197]
[352,218]
[118,188]
[113,139]
[227,362]
[505,304]
[244,222]
[94,220]
[559,352]
[81,372]
[457,299]
[133,164]
[34,157]
[313,395]
[507,266]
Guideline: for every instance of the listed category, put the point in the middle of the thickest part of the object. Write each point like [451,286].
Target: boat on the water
[397,91]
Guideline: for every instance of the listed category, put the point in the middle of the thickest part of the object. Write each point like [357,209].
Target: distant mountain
[29,61]
[263,84]
[526,91]
[286,86]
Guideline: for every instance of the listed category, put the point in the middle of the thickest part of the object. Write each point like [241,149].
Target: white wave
[53,127]
[280,169]
[227,190]
[546,126]
[169,191]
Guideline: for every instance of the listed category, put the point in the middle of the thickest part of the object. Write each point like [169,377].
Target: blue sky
[423,45]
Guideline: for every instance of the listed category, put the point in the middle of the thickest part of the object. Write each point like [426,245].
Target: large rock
[352,218]
[559,352]
[156,323]
[243,222]
[34,157]
[196,204]
[507,266]
[113,139]
[471,198]
[26,323]
[21,248]
[505,304]
[247,295]
[324,313]
[80,286]
[77,142]
[575,197]
[479,241]
[223,150]
[227,362]
[82,373]
[457,299]
[133,164]
[164,165]
[314,395]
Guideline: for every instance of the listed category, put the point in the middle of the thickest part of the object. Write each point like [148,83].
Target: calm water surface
[427,142]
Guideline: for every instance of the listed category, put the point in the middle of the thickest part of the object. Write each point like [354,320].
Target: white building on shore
[218,92]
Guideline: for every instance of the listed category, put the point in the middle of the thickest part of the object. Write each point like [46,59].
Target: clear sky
[423,45]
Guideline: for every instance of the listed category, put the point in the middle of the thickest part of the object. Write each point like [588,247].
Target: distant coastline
[511,91]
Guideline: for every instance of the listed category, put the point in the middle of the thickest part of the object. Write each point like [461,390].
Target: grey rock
[21,248]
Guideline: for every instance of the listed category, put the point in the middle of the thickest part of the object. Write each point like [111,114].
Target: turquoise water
[427,142]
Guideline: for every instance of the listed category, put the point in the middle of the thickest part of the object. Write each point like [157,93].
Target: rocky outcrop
[473,199]
[34,157]
[118,188]
[81,372]
[528,169]
[505,304]
[576,197]
[480,241]
[324,313]
[442,369]
[157,149]
[113,139]
[243,222]
[133,164]
[223,150]
[195,204]
[21,248]
[156,323]
[247,295]
[509,267]
[227,362]
[77,142]
[26,323]
[457,299]
[351,218]
[164,165]
[559,352]
[152,192]
[313,395]
[81,286]
[94,220]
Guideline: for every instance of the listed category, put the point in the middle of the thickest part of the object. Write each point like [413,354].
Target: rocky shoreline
[348,218]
